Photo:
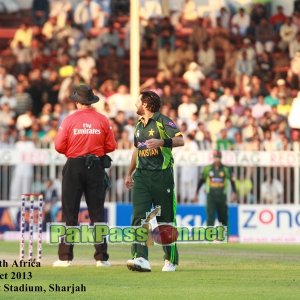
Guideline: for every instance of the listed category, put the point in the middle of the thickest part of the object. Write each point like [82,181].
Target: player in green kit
[216,178]
[152,182]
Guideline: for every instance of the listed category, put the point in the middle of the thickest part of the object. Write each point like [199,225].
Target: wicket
[32,199]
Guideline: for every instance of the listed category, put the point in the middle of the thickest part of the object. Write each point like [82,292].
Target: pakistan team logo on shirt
[151,132]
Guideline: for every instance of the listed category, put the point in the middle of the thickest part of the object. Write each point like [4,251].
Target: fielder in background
[153,183]
[216,178]
[85,137]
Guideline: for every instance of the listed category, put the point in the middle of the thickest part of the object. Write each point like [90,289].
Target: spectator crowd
[228,81]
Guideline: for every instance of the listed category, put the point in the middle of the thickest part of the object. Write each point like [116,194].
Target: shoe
[168,267]
[62,263]
[139,264]
[103,264]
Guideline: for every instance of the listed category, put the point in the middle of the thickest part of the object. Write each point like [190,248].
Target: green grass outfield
[207,271]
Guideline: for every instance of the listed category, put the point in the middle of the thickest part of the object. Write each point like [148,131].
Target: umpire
[216,177]
[84,138]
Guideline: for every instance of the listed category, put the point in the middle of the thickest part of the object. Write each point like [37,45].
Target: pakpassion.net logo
[163,234]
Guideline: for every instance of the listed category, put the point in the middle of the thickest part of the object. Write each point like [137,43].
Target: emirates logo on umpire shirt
[87,129]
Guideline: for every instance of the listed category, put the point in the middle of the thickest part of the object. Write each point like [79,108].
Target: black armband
[168,143]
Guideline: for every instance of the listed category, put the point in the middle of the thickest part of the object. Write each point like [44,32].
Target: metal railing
[253,172]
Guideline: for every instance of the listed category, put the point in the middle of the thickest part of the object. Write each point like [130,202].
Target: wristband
[168,143]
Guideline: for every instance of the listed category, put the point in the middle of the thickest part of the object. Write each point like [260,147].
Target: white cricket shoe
[103,263]
[62,263]
[168,267]
[139,264]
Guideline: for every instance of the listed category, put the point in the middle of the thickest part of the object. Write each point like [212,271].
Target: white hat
[281,82]
[193,66]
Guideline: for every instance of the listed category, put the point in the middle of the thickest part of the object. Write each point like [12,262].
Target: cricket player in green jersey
[150,175]
[216,178]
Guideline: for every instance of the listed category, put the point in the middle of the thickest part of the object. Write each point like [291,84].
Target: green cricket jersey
[216,179]
[158,127]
